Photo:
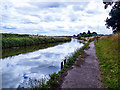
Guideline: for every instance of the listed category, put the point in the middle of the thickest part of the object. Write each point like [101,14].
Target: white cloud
[52,18]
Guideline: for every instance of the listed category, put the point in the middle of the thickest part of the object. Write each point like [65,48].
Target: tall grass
[16,40]
[107,51]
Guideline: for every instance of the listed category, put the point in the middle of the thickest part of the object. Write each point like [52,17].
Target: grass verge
[107,52]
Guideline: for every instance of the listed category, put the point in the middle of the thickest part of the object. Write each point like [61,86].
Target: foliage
[53,81]
[37,84]
[114,20]
[107,51]
[88,34]
[16,40]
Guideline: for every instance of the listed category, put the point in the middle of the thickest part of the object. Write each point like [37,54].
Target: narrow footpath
[87,75]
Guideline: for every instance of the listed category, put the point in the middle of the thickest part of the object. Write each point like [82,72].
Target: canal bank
[85,74]
[17,69]
[56,79]
[23,40]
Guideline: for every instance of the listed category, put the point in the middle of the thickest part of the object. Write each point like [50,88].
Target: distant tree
[74,35]
[89,32]
[114,20]
[84,33]
[80,33]
[79,37]
[94,33]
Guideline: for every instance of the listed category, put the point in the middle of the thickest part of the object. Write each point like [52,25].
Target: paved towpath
[87,75]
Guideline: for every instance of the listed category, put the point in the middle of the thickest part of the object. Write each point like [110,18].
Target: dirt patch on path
[87,75]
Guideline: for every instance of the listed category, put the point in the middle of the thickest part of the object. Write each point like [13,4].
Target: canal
[21,64]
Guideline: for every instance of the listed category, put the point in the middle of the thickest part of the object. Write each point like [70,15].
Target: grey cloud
[46,5]
[93,12]
[60,27]
[5,18]
[48,18]
[27,10]
[7,5]
[80,7]
[27,21]
[38,16]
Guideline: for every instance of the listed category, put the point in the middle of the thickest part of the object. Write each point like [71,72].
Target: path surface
[85,76]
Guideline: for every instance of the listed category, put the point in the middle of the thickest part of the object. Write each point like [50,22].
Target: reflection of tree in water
[15,51]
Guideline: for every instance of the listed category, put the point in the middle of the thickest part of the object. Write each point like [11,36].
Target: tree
[84,33]
[74,35]
[114,20]
[88,32]
[94,34]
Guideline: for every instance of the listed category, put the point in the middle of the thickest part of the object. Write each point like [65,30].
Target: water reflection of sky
[18,69]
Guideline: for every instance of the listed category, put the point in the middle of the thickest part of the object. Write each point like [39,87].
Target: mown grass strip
[107,51]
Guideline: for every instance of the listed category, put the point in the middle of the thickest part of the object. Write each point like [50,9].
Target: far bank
[19,40]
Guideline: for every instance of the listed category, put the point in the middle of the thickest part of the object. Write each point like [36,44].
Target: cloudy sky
[53,18]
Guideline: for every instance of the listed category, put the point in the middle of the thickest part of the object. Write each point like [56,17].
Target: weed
[53,81]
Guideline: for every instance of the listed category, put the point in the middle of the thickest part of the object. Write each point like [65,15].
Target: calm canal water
[17,69]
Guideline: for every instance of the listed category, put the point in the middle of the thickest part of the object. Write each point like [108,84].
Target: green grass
[16,40]
[107,51]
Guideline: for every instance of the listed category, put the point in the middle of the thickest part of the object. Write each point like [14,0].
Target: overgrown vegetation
[107,51]
[17,40]
[57,78]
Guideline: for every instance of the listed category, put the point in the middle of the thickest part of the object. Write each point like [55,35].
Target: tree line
[84,34]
